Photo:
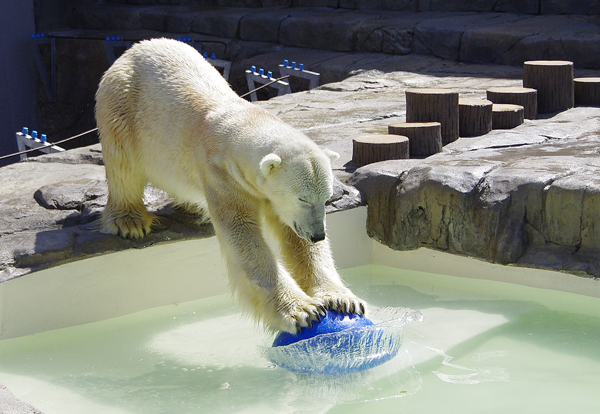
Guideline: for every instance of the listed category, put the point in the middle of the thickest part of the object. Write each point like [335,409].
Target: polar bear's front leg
[262,286]
[312,266]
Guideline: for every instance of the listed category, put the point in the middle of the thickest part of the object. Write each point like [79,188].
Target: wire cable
[50,144]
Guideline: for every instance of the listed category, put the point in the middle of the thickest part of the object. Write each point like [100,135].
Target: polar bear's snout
[314,234]
[317,237]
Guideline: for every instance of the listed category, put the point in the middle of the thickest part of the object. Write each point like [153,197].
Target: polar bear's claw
[343,301]
[295,313]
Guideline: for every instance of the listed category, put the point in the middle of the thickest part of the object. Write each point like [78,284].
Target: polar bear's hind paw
[130,225]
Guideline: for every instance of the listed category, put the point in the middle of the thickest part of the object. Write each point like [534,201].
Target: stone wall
[510,6]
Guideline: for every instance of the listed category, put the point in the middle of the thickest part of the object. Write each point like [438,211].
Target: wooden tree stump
[434,105]
[425,138]
[587,91]
[506,116]
[553,80]
[374,148]
[516,95]
[475,117]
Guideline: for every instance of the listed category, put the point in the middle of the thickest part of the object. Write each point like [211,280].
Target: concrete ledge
[477,32]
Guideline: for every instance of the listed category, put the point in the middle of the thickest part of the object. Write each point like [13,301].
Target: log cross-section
[506,116]
[587,91]
[553,80]
[434,105]
[475,116]
[368,149]
[516,95]
[425,138]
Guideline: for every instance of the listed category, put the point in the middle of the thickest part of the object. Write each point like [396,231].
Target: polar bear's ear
[333,156]
[269,162]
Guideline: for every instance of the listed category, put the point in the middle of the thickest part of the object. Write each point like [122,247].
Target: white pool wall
[437,262]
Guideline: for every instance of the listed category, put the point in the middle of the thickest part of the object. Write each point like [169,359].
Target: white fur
[166,116]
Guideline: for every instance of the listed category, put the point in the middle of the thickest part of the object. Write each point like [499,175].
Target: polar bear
[166,116]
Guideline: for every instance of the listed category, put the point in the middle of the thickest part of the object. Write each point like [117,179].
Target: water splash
[472,375]
[347,351]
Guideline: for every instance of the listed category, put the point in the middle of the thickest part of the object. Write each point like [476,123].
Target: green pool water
[483,347]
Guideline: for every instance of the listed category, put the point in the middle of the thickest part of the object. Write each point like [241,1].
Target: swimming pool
[483,346]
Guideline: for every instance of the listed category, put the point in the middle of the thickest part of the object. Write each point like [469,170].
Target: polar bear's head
[298,187]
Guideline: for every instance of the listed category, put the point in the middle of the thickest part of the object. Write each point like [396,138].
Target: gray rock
[180,20]
[389,34]
[463,5]
[263,26]
[570,7]
[401,5]
[64,196]
[344,197]
[85,155]
[317,3]
[532,38]
[522,6]
[442,34]
[9,404]
[220,23]
[326,29]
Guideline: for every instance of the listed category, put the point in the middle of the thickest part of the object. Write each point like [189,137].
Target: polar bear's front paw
[341,299]
[293,315]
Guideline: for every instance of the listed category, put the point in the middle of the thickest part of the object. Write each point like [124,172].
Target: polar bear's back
[152,107]
[158,74]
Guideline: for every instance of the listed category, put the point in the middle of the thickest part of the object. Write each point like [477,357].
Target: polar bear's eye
[303,200]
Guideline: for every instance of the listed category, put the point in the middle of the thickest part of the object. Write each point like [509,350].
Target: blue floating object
[332,322]
[33,134]
[205,55]
[338,344]
[301,66]
[293,64]
[43,138]
[24,130]
[213,56]
[286,62]
[107,38]
[269,74]
[261,71]
[253,69]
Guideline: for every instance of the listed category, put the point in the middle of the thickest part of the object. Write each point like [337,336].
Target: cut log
[587,91]
[374,148]
[506,116]
[553,80]
[475,117]
[516,95]
[434,105]
[425,138]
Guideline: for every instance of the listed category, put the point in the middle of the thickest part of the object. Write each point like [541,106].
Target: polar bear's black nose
[317,237]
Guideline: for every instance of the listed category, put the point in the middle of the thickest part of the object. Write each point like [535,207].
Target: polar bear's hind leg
[125,213]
